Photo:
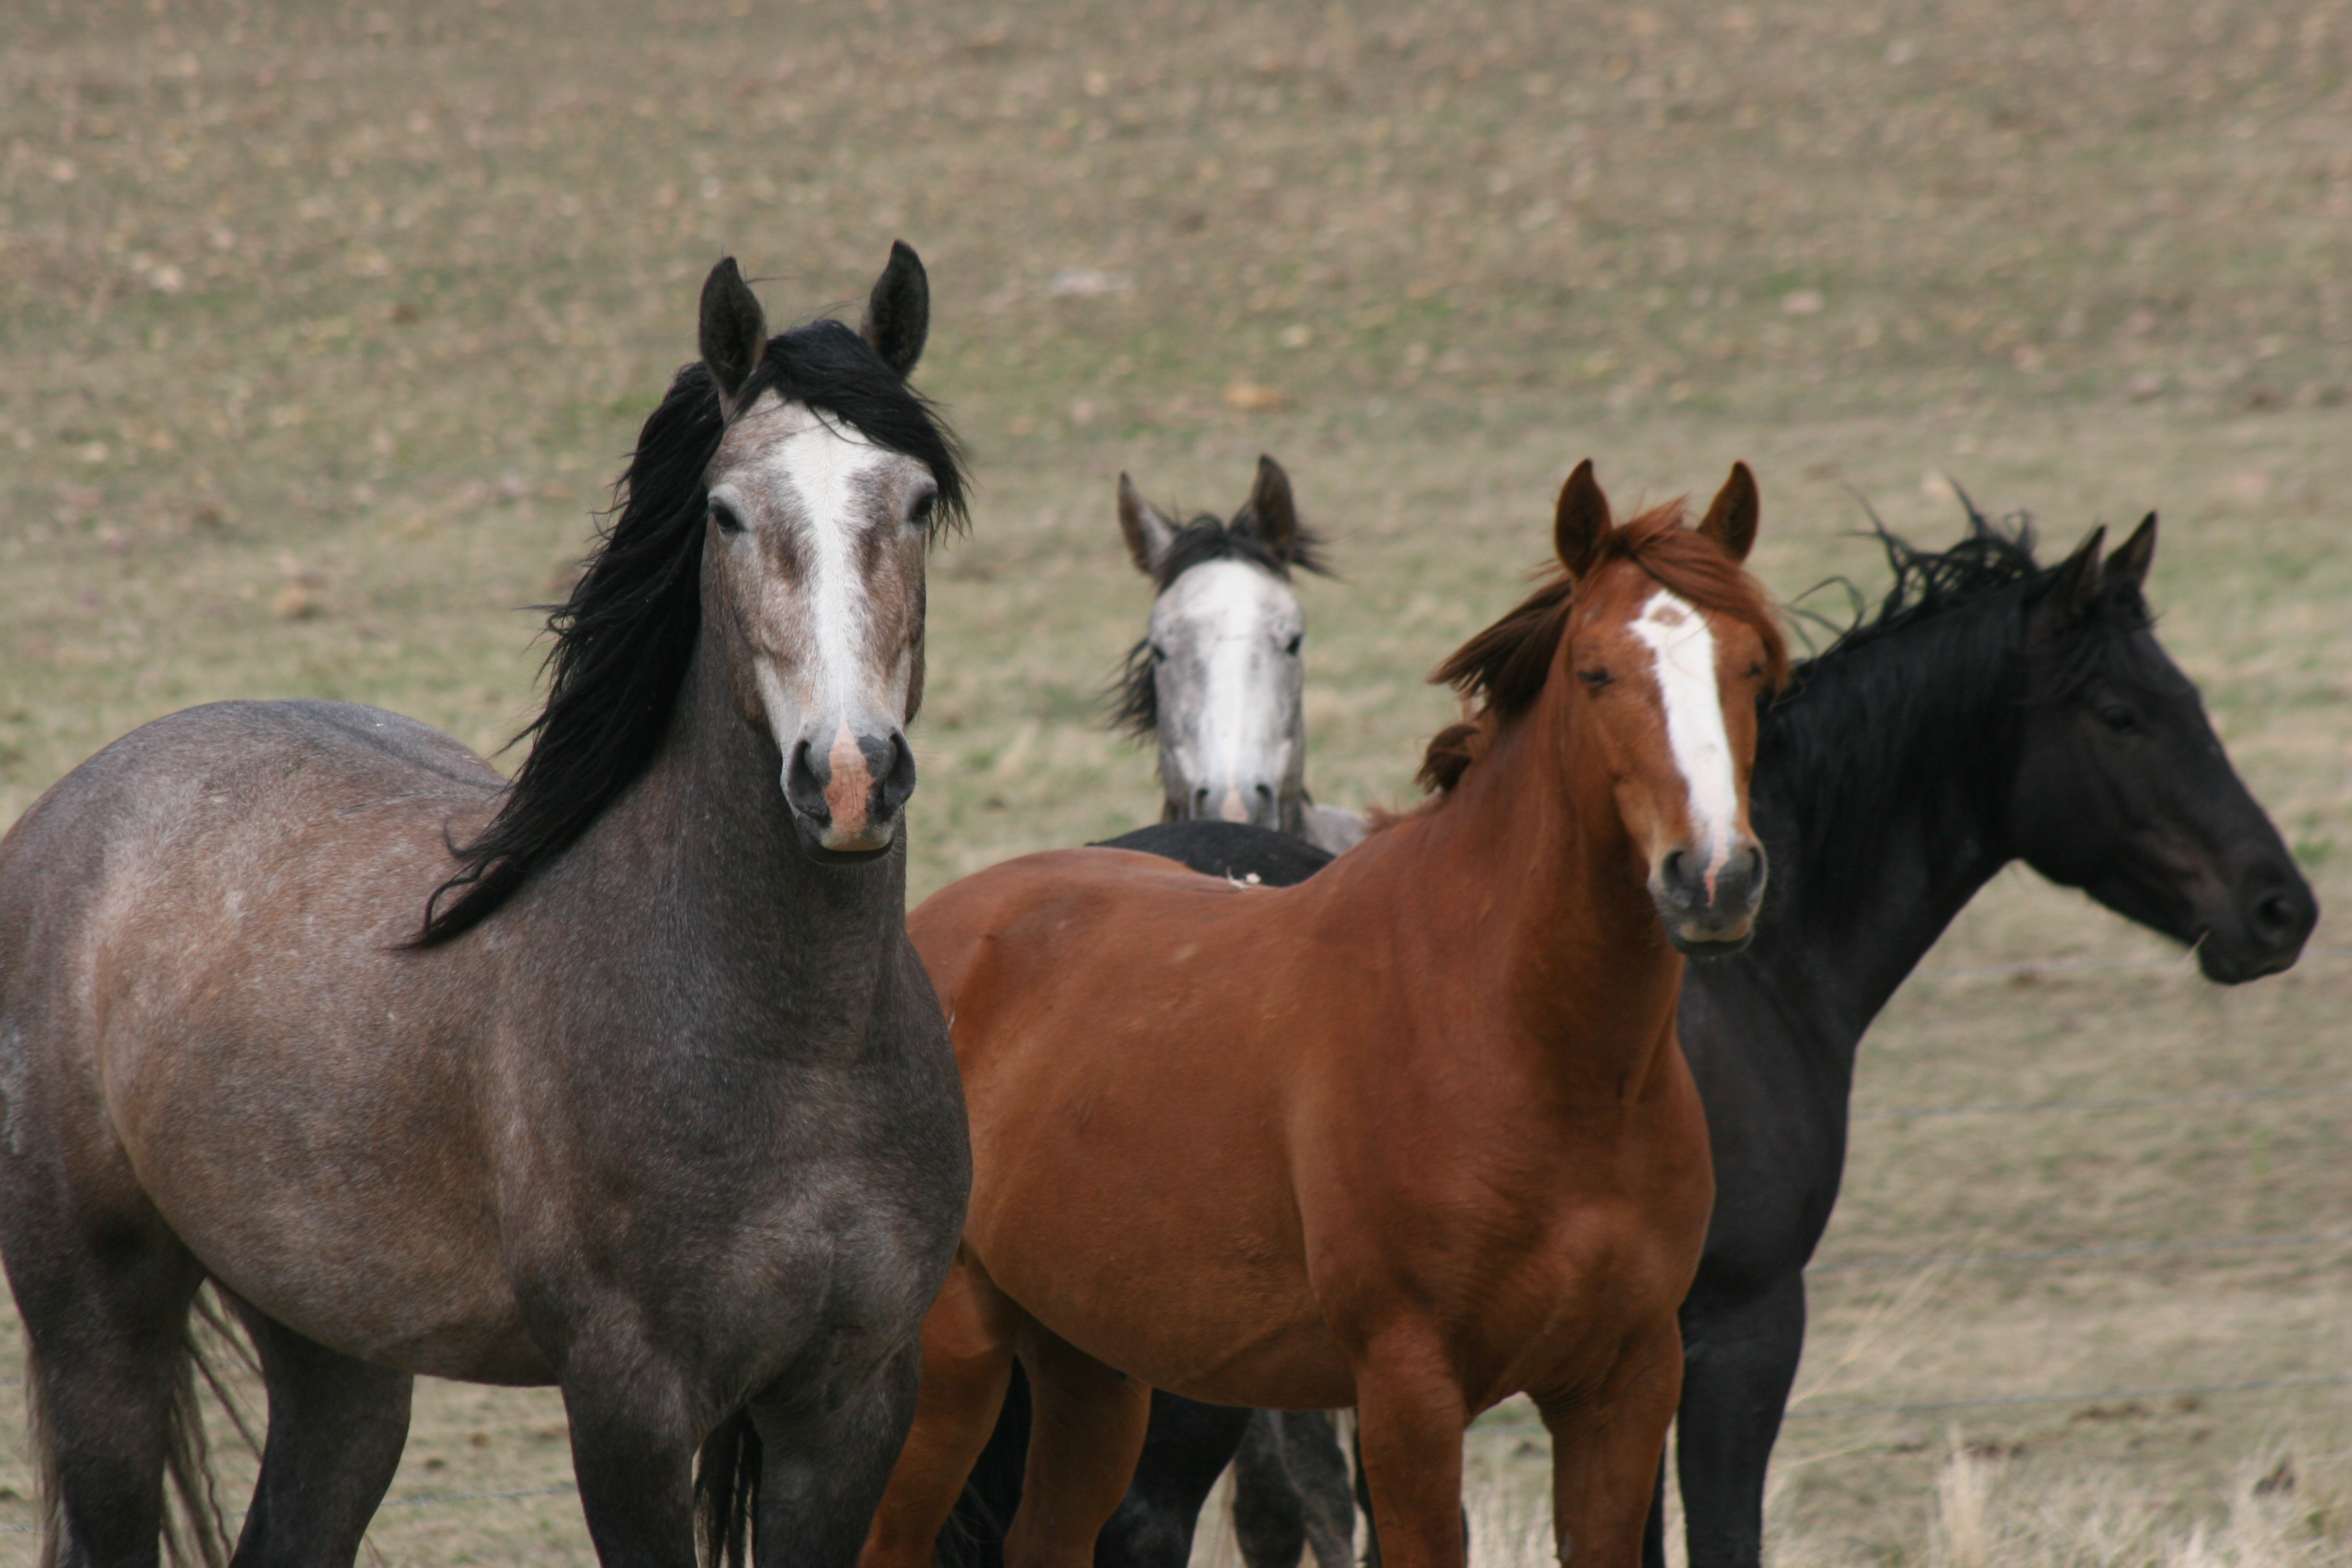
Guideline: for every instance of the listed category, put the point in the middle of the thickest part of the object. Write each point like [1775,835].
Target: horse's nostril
[2275,915]
[804,788]
[897,780]
[1266,792]
[1674,867]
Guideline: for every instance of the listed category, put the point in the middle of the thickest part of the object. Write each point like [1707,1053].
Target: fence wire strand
[2055,1254]
[2094,1396]
[2132,1102]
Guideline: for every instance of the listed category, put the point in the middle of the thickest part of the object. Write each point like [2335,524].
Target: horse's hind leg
[336,1429]
[105,1309]
[1185,1449]
[1269,1508]
[967,1360]
[1086,1433]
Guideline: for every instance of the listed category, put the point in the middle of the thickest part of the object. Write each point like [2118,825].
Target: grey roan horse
[1217,678]
[650,1099]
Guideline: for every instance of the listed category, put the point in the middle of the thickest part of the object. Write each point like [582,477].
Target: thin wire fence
[2089,1396]
[2179,961]
[2120,1102]
[2057,1254]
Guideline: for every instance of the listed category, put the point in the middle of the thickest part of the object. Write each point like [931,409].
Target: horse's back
[999,922]
[230,790]
[1233,849]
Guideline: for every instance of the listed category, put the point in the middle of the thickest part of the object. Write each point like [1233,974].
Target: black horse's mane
[1134,695]
[624,638]
[1926,688]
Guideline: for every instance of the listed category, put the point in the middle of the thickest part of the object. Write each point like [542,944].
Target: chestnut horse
[1412,1136]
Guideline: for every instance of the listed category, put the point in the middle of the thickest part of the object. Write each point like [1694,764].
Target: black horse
[1990,710]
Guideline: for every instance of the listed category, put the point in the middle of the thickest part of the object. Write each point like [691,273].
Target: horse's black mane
[1134,695]
[1922,691]
[624,637]
[1204,538]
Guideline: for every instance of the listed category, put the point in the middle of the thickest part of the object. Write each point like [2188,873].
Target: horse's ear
[2076,586]
[734,330]
[1730,520]
[1274,516]
[1149,534]
[2129,563]
[1580,523]
[899,311]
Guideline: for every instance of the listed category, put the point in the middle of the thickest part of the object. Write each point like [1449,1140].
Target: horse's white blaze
[821,483]
[817,473]
[1682,651]
[825,465]
[1223,626]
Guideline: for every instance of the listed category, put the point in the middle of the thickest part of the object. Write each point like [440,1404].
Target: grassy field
[322,327]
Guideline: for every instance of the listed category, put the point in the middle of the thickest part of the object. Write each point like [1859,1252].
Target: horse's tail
[727,1490]
[40,1446]
[195,1527]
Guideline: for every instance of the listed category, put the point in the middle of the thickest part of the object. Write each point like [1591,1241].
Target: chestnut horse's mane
[1504,668]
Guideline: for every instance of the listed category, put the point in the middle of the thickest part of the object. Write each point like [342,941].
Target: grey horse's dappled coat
[660,1109]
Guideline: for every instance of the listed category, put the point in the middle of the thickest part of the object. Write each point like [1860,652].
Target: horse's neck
[1863,886]
[1538,888]
[738,897]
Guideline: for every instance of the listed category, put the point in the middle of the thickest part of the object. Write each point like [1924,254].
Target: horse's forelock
[1207,539]
[1700,570]
[1506,667]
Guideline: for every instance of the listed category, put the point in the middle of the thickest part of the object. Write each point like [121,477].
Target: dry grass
[324,325]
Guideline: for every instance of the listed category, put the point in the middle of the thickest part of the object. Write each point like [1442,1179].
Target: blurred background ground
[322,327]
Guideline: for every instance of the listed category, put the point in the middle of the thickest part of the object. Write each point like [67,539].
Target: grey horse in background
[1218,680]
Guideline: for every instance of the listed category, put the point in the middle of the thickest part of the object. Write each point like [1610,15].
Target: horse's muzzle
[1252,800]
[1709,916]
[847,799]
[2263,929]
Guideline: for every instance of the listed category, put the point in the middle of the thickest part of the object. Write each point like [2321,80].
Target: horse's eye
[724,516]
[2120,719]
[1755,670]
[921,513]
[1291,647]
[1594,679]
[1159,653]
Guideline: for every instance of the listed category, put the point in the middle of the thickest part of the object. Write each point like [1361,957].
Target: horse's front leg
[634,1431]
[1409,1419]
[823,1471]
[1607,1442]
[1742,1360]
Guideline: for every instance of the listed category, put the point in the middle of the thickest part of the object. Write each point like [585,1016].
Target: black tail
[727,1491]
